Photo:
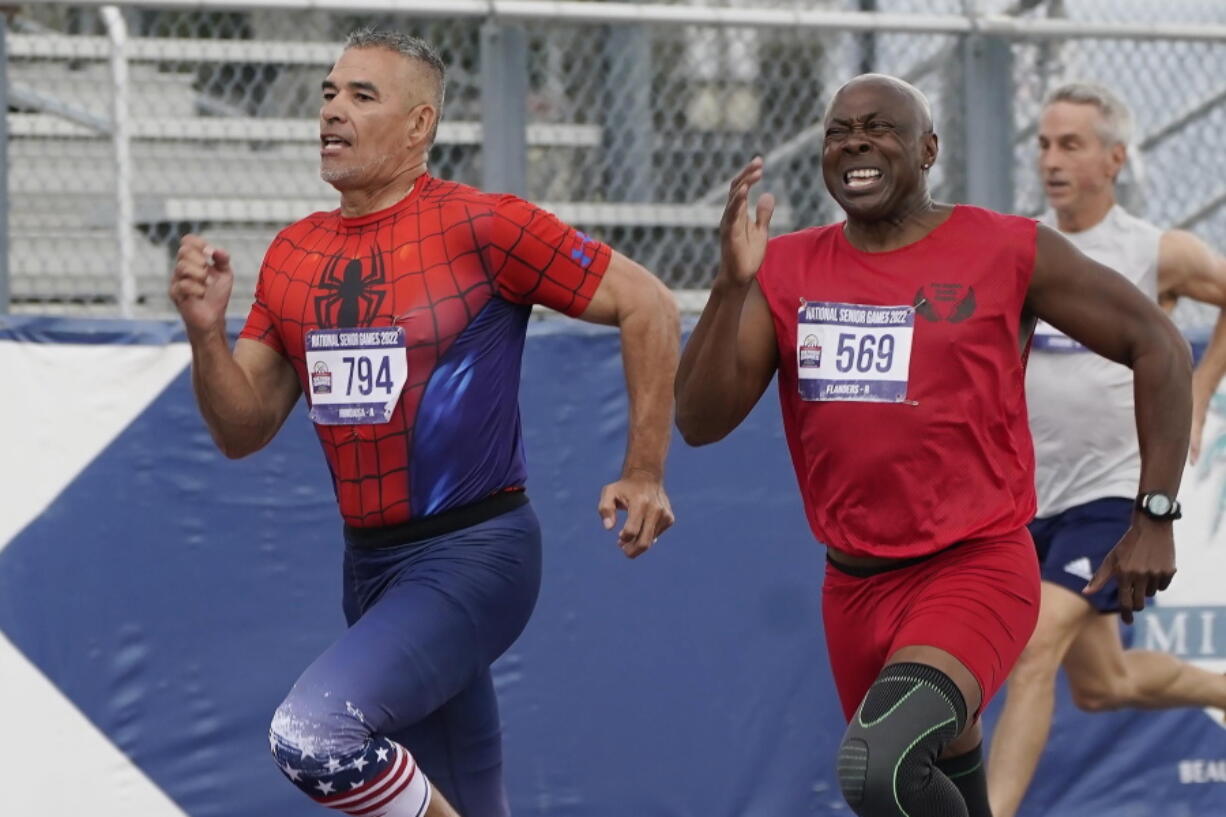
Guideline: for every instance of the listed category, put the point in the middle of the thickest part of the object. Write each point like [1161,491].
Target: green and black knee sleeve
[968,774]
[887,759]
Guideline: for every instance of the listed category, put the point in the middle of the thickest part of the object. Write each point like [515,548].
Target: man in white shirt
[1082,419]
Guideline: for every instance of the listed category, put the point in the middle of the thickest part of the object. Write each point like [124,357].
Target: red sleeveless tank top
[901,382]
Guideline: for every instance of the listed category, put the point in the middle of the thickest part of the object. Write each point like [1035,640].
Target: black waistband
[865,572]
[437,524]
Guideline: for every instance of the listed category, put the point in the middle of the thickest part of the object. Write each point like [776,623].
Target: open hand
[648,513]
[742,241]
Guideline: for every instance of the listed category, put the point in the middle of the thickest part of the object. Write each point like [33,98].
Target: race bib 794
[355,376]
[853,352]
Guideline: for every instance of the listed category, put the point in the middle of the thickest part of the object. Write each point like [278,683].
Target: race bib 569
[854,352]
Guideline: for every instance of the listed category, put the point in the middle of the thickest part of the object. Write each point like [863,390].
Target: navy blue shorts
[1072,545]
[426,620]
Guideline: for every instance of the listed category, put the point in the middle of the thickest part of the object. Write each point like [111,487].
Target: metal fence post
[628,132]
[988,121]
[117,32]
[504,108]
[867,41]
[5,290]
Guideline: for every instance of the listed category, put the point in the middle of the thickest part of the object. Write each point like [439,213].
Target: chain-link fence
[631,128]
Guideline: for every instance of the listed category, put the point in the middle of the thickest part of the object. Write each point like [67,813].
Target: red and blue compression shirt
[453,272]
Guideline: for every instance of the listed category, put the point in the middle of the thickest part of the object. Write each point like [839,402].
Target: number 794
[368,378]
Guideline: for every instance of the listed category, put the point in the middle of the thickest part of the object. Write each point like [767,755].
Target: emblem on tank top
[350,291]
[945,302]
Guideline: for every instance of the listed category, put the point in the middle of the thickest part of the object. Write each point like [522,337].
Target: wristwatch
[1160,506]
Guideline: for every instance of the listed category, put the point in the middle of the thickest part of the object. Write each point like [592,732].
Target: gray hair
[406,45]
[1115,119]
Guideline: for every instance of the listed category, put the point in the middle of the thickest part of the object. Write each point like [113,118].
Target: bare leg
[439,807]
[1104,676]
[1025,723]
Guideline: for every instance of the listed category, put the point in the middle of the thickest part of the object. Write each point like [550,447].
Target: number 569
[870,353]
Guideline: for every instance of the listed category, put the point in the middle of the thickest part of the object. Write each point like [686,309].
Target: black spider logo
[351,298]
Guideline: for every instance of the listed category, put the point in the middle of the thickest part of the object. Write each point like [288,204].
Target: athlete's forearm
[650,336]
[230,405]
[709,384]
[1162,392]
[1212,366]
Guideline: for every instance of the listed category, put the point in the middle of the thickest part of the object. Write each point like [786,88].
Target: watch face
[1159,504]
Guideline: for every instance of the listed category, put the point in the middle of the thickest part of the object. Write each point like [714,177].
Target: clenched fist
[201,284]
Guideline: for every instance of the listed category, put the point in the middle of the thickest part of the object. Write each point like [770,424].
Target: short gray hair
[406,45]
[1116,119]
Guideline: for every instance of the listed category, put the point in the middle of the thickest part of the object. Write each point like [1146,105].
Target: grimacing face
[366,118]
[875,146]
[1076,165]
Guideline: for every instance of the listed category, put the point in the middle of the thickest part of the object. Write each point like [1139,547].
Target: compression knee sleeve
[968,774]
[886,761]
[345,768]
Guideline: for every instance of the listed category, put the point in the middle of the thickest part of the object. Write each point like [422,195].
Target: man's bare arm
[244,397]
[1100,308]
[731,355]
[645,312]
[727,364]
[1189,268]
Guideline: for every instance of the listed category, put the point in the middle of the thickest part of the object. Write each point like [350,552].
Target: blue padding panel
[174,595]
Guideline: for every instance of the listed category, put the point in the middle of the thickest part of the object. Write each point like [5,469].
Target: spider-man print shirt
[458,270]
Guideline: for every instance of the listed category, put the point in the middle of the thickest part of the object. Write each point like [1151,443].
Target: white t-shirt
[1080,404]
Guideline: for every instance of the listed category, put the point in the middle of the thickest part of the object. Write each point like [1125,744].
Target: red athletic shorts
[978,601]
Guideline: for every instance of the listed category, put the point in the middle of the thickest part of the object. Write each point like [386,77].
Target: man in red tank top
[900,339]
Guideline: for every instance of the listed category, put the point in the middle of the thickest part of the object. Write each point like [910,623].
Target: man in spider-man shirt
[401,316]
